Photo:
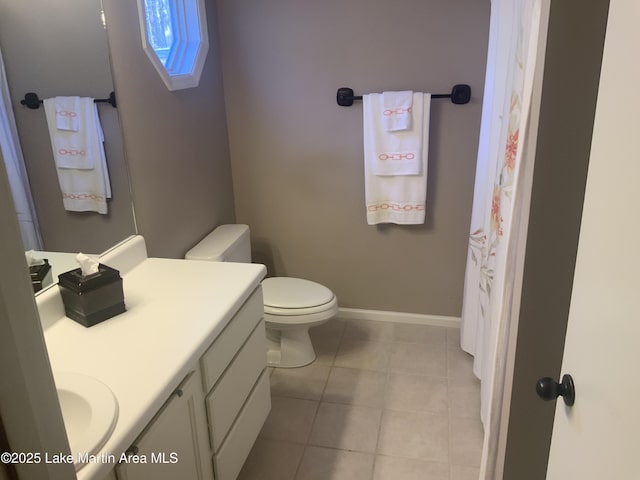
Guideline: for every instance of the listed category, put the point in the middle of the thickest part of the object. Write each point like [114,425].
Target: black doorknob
[548,389]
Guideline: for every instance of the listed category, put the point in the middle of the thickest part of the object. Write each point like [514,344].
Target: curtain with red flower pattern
[500,206]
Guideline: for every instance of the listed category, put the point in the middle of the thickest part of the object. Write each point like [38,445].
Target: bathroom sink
[90,412]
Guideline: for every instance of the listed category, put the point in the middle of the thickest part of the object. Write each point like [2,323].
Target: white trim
[399,317]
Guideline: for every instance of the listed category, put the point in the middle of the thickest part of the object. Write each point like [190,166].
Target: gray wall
[570,84]
[60,48]
[297,157]
[176,142]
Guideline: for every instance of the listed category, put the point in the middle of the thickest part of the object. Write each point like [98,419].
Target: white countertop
[175,310]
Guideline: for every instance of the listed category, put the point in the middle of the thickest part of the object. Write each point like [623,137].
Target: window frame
[190,44]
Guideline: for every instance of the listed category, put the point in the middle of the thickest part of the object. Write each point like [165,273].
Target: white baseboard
[399,317]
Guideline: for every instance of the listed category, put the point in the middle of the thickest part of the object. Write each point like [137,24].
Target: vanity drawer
[225,347]
[231,391]
[229,460]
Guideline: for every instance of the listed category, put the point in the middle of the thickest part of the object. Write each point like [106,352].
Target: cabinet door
[174,445]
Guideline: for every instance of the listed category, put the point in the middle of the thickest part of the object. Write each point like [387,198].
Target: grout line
[306,442]
[384,402]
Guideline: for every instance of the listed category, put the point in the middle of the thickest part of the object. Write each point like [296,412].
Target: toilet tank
[227,243]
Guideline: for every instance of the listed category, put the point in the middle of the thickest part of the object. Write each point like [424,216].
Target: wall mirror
[60,49]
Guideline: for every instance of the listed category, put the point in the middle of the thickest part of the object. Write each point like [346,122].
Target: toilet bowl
[291,305]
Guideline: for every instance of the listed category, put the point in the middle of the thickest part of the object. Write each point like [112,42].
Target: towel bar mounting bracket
[345,97]
[460,95]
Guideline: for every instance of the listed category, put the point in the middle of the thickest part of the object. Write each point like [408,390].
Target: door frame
[29,405]
[570,78]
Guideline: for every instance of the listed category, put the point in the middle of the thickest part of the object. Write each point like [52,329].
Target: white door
[597,438]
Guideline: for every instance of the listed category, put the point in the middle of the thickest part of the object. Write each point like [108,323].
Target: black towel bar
[460,94]
[32,101]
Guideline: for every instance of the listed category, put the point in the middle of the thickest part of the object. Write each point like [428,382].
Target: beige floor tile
[290,419]
[272,460]
[305,382]
[363,355]
[465,441]
[402,393]
[464,473]
[330,464]
[368,331]
[326,339]
[395,468]
[414,435]
[464,398]
[346,427]
[418,359]
[416,393]
[355,387]
[425,334]
[460,364]
[453,338]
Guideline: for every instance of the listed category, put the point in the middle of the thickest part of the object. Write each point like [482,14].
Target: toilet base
[289,348]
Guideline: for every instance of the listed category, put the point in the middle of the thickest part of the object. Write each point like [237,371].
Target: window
[174,37]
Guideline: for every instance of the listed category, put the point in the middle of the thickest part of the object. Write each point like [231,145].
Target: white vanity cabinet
[206,429]
[174,444]
[236,384]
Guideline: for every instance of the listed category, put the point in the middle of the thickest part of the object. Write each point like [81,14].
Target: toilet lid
[287,292]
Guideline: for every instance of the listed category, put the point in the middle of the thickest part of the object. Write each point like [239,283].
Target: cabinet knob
[133,450]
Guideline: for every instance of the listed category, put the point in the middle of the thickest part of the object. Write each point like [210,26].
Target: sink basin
[90,412]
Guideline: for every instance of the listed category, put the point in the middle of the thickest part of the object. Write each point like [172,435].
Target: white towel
[68,113]
[397,199]
[74,149]
[396,110]
[395,153]
[80,159]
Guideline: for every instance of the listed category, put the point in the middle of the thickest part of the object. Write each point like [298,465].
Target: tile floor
[383,401]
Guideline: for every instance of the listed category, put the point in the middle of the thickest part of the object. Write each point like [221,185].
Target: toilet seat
[287,296]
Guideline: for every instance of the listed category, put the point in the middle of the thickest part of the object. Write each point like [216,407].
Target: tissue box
[41,275]
[94,298]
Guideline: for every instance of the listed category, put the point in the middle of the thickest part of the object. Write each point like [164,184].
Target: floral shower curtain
[500,207]
[14,165]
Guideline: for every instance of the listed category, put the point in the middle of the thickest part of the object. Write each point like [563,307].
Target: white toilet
[291,305]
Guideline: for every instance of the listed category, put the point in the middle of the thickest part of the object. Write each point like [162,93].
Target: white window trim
[179,81]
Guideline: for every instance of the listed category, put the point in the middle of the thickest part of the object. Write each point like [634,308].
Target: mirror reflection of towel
[80,159]
[68,113]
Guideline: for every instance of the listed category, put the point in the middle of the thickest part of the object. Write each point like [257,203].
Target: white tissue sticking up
[31,260]
[88,264]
